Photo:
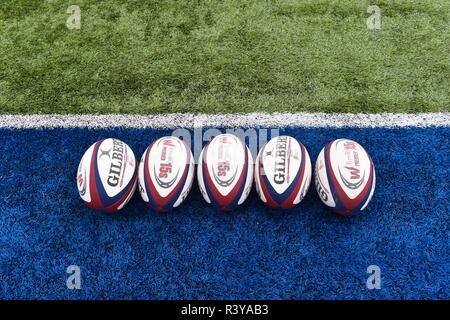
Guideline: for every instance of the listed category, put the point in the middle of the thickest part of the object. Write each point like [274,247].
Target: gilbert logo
[105,153]
[281,152]
[116,163]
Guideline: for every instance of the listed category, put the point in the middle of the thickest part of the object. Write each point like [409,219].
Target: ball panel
[96,202]
[107,175]
[114,171]
[222,192]
[166,173]
[351,164]
[141,182]
[224,157]
[283,172]
[129,196]
[169,160]
[83,175]
[345,176]
[339,188]
[249,177]
[372,190]
[124,199]
[294,189]
[321,181]
[306,180]
[115,163]
[257,180]
[280,162]
[200,179]
[224,172]
[188,185]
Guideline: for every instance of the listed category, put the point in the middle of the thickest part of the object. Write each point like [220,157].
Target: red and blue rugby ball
[345,176]
[166,172]
[106,175]
[282,172]
[225,172]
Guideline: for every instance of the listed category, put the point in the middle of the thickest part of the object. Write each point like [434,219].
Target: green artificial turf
[135,56]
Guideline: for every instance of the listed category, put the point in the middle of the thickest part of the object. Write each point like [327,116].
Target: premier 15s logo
[165,167]
[164,176]
[223,166]
[352,165]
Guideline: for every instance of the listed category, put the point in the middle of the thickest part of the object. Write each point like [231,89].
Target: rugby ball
[282,172]
[106,176]
[345,176]
[166,172]
[225,172]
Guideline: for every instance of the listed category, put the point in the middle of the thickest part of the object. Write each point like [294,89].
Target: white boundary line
[250,120]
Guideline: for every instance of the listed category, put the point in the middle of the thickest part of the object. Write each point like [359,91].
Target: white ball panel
[321,181]
[258,179]
[83,175]
[189,180]
[141,175]
[306,179]
[249,179]
[201,183]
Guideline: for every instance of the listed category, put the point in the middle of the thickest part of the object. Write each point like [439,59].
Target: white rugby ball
[345,176]
[106,176]
[166,172]
[282,172]
[225,172]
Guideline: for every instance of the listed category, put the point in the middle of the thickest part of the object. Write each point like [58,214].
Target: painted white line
[249,120]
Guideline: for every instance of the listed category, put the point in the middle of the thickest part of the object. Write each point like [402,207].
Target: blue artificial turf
[195,252]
